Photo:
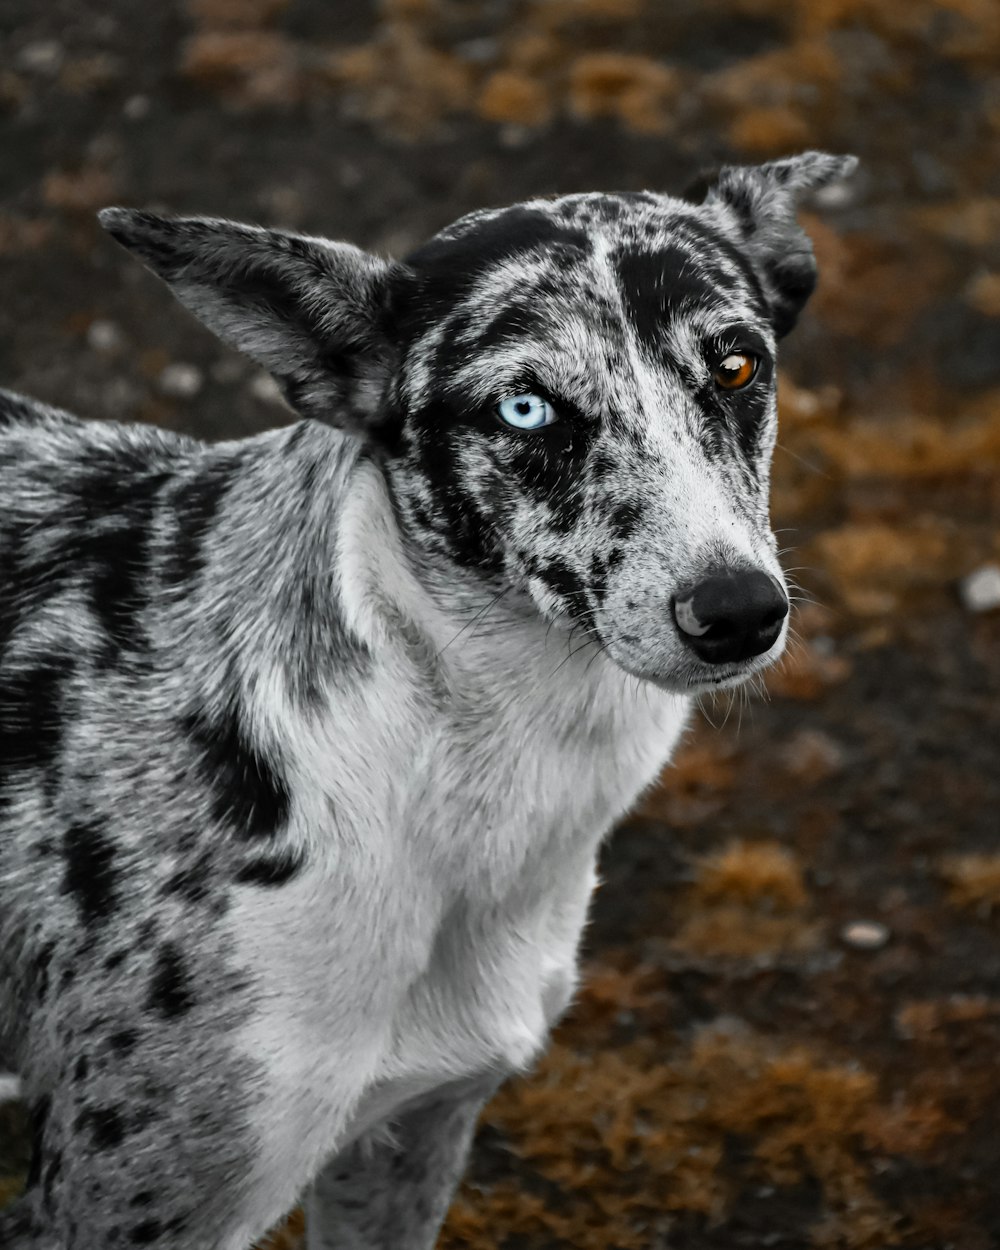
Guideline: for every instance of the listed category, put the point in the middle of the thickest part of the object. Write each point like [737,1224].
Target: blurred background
[790,1028]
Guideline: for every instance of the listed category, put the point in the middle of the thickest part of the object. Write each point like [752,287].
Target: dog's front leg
[392,1191]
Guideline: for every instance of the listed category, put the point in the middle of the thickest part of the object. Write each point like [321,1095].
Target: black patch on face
[564,582]
[249,794]
[31,719]
[712,243]
[270,870]
[510,324]
[626,519]
[123,1041]
[170,993]
[736,418]
[195,505]
[90,877]
[655,284]
[107,1128]
[448,267]
[115,960]
[81,1069]
[146,1233]
[36,1127]
[40,970]
[457,518]
[193,882]
[793,279]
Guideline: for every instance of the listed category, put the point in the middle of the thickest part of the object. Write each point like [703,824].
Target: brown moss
[870,288]
[806,672]
[695,784]
[769,131]
[917,447]
[873,564]
[82,75]
[401,79]
[410,10]
[973,882]
[519,99]
[973,221]
[811,756]
[235,13]
[911,1131]
[730,931]
[251,68]
[746,901]
[608,989]
[965,30]
[533,52]
[23,234]
[632,1133]
[776,101]
[982,292]
[79,190]
[762,873]
[926,1021]
[635,89]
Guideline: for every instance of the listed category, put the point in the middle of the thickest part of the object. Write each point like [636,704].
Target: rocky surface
[790,1027]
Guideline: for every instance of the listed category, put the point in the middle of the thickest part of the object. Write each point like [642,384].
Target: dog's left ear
[315,314]
[760,202]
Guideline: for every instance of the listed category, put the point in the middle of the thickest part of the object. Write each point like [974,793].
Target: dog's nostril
[732,615]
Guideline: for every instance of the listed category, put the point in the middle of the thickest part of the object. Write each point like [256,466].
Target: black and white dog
[308,741]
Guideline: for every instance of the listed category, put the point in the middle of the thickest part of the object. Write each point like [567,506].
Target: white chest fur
[450,826]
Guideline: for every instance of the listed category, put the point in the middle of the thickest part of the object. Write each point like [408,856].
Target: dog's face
[572,398]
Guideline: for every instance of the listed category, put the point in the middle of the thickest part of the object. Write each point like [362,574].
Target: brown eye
[734,371]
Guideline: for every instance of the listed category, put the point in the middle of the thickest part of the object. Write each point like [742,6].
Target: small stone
[105,336]
[44,56]
[181,381]
[980,591]
[812,756]
[836,195]
[10,1087]
[478,51]
[865,935]
[264,388]
[136,107]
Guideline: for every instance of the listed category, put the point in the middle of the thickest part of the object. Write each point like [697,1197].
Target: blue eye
[526,412]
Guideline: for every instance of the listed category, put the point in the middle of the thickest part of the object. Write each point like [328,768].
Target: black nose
[731,615]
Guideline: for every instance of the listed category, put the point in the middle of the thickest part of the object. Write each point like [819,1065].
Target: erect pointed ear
[760,202]
[313,313]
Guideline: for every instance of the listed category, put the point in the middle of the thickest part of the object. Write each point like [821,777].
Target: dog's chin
[693,677]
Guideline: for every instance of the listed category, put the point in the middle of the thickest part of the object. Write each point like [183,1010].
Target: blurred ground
[790,1030]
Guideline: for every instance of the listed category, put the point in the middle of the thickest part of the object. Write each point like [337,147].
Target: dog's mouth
[693,677]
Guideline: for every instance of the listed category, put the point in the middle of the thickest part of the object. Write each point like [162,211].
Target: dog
[308,741]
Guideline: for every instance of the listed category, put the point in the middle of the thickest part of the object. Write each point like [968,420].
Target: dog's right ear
[315,314]
[758,202]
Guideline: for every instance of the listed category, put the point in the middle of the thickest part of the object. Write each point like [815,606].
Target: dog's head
[571,397]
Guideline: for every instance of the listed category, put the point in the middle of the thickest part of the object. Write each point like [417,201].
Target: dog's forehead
[556,287]
[588,256]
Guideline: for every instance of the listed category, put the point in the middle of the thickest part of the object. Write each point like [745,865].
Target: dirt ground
[790,1029]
